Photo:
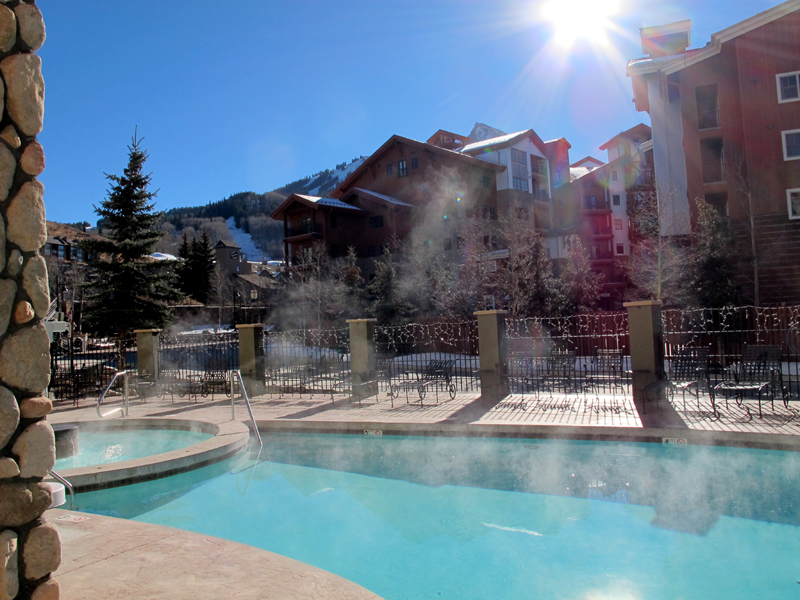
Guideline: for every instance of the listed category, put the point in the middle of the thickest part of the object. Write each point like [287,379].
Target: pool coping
[229,438]
[769,441]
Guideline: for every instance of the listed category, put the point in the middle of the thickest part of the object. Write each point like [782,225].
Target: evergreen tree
[202,267]
[580,285]
[129,290]
[183,269]
[713,260]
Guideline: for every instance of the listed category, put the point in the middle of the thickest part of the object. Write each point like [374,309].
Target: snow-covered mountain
[482,131]
[323,182]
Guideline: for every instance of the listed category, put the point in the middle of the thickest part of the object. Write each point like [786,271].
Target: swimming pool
[501,518]
[96,448]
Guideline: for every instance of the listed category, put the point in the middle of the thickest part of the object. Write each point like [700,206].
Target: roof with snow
[589,160]
[503,141]
[383,197]
[578,172]
[345,186]
[227,244]
[639,131]
[312,202]
[163,256]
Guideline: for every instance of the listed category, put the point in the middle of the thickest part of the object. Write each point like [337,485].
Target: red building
[726,128]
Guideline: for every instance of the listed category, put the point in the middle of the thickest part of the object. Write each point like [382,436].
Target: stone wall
[29,547]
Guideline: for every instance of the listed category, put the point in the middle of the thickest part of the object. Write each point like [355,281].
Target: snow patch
[241,237]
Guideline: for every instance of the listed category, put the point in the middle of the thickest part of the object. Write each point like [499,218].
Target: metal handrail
[238,374]
[124,397]
[67,485]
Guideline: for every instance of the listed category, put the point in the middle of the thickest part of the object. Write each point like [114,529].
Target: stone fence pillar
[493,352]
[362,358]
[30,548]
[251,357]
[147,352]
[647,349]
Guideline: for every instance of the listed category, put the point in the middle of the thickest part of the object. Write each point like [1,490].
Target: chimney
[666,40]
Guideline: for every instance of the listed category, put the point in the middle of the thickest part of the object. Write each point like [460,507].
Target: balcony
[593,203]
[309,228]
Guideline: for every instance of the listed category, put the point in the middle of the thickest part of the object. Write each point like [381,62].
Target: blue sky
[254,94]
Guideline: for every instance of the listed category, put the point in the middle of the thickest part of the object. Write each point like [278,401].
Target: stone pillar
[147,352]
[30,549]
[647,349]
[362,358]
[251,357]
[493,352]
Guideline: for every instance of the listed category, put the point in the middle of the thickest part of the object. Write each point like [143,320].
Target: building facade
[726,128]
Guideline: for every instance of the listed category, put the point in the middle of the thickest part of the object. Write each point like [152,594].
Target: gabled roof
[382,198]
[591,159]
[557,141]
[600,172]
[672,64]
[641,128]
[398,139]
[504,141]
[312,202]
[227,244]
[259,281]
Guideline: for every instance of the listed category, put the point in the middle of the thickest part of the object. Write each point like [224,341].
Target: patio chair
[688,368]
[757,371]
[606,370]
[437,373]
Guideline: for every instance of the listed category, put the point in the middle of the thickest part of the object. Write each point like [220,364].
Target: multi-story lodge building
[726,128]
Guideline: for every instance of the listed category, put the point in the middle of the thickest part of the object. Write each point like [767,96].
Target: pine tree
[129,290]
[183,270]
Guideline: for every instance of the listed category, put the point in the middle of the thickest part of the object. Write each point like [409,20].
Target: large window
[793,200]
[713,156]
[707,106]
[520,184]
[791,145]
[788,86]
[518,156]
[519,169]
[615,199]
[389,169]
[376,222]
[401,169]
[414,163]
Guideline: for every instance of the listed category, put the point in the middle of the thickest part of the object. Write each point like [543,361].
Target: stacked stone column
[30,549]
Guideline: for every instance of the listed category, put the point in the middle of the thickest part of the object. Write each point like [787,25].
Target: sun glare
[580,19]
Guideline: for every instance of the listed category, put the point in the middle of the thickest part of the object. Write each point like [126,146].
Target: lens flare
[580,19]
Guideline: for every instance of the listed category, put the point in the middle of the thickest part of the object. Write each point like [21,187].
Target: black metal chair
[758,370]
[606,370]
[688,368]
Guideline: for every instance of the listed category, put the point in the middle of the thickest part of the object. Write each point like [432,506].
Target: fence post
[493,352]
[362,358]
[251,357]
[647,349]
[147,352]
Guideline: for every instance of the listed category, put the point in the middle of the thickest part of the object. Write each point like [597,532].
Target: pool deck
[106,557]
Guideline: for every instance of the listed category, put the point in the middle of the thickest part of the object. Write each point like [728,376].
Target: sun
[580,19]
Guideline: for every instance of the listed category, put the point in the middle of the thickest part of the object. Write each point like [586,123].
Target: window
[618,224]
[520,184]
[486,182]
[788,88]
[80,254]
[614,175]
[401,169]
[376,222]
[712,154]
[620,248]
[590,202]
[615,199]
[793,199]
[370,250]
[414,163]
[389,169]
[47,248]
[448,244]
[489,212]
[519,157]
[707,106]
[61,252]
[791,145]
[305,224]
[460,243]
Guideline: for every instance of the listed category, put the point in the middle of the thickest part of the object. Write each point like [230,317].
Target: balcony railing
[599,204]
[305,229]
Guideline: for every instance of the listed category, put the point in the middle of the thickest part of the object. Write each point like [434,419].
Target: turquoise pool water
[101,448]
[467,518]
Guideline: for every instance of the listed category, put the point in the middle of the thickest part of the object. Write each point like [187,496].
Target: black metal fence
[582,353]
[421,359]
[196,363]
[80,370]
[726,331]
[307,361]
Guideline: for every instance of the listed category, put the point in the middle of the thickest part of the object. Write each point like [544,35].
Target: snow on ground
[241,237]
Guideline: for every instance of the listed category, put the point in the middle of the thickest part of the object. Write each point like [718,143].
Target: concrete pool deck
[125,568]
